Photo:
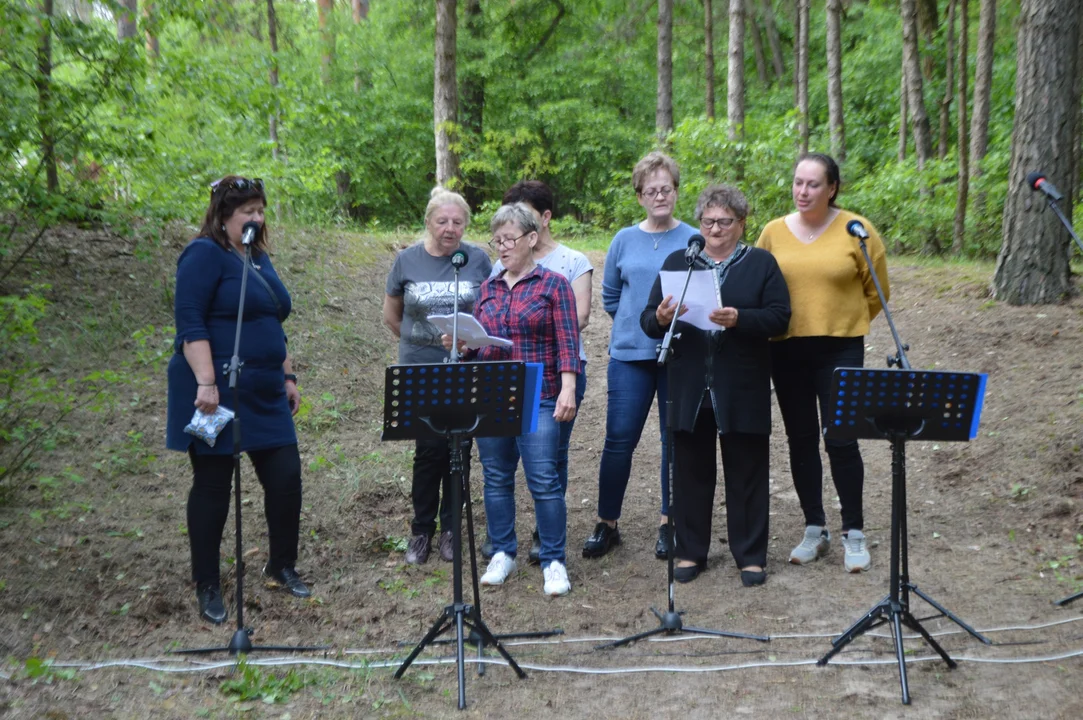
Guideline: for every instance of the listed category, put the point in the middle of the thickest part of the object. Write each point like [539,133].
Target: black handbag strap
[266,285]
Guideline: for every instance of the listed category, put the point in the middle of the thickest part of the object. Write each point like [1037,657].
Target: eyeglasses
[241,184]
[710,223]
[498,243]
[649,193]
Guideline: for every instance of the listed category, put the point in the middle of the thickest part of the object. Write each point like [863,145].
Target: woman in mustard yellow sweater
[833,300]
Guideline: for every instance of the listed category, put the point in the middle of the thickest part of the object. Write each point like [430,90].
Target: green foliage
[253,683]
[568,98]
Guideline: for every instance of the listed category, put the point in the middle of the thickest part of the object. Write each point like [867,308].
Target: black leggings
[279,471]
[801,369]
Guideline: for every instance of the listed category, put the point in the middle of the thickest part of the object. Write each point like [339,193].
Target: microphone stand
[241,641]
[1067,225]
[670,622]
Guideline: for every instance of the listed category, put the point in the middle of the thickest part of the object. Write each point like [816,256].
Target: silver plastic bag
[207,426]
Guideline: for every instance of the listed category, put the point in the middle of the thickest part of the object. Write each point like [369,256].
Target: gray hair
[518,213]
[723,196]
[441,196]
[651,162]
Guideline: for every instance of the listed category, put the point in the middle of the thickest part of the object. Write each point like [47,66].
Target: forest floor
[95,568]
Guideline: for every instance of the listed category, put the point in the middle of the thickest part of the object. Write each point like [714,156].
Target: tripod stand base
[670,623]
[461,616]
[896,612]
[1071,598]
[241,644]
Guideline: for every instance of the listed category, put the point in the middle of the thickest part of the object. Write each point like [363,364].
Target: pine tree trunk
[446,93]
[958,235]
[834,79]
[153,49]
[796,52]
[1032,267]
[472,100]
[915,98]
[325,10]
[277,151]
[802,74]
[928,22]
[126,19]
[949,81]
[663,115]
[773,40]
[708,55]
[360,10]
[735,83]
[983,85]
[753,29]
[44,86]
[903,113]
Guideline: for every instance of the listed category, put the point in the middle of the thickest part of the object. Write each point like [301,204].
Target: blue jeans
[566,430]
[499,459]
[632,387]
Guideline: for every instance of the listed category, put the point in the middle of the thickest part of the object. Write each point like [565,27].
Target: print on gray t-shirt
[426,284]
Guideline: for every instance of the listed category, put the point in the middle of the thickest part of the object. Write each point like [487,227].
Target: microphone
[1037,181]
[459,258]
[695,247]
[855,228]
[249,232]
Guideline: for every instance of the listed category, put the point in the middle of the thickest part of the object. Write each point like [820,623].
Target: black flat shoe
[753,577]
[211,607]
[288,580]
[535,548]
[690,573]
[665,540]
[601,541]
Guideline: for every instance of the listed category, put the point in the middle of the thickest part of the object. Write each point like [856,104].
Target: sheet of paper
[470,331]
[700,299]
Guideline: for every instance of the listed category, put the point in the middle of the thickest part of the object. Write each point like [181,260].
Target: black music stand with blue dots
[899,405]
[458,401]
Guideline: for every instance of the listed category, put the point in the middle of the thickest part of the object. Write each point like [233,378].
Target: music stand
[457,401]
[901,405]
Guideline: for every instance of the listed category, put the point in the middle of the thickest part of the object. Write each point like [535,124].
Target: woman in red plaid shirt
[535,309]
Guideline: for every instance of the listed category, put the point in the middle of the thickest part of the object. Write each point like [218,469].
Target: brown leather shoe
[417,552]
[446,545]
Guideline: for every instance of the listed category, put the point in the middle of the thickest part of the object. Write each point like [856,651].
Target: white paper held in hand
[470,331]
[700,299]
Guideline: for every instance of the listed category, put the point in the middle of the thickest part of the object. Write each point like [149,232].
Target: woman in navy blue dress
[205,312]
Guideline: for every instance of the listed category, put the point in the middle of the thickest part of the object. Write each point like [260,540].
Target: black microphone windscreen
[697,240]
[1033,179]
[459,258]
[855,228]
[249,231]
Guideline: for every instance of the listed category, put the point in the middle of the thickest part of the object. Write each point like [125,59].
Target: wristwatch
[291,376]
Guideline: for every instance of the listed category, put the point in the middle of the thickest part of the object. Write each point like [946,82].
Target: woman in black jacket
[720,386]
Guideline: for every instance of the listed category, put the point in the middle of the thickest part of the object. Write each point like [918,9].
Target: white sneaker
[556,579]
[857,555]
[498,570]
[813,546]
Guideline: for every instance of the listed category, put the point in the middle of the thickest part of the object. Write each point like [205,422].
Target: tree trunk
[325,10]
[773,40]
[903,113]
[127,16]
[915,98]
[446,93]
[753,29]
[928,22]
[361,78]
[360,10]
[473,90]
[43,83]
[802,73]
[796,52]
[958,235]
[277,151]
[735,83]
[834,79]
[983,85]
[708,54]
[1033,263]
[153,50]
[663,115]
[949,81]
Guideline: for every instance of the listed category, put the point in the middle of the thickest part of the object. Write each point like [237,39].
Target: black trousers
[745,467]
[801,369]
[278,471]
[431,488]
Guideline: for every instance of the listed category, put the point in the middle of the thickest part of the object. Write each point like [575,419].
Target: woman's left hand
[726,317]
[565,409]
[293,395]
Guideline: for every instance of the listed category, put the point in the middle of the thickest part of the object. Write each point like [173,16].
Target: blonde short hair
[441,196]
[654,161]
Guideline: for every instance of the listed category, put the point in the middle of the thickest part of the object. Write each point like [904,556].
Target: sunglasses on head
[241,184]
